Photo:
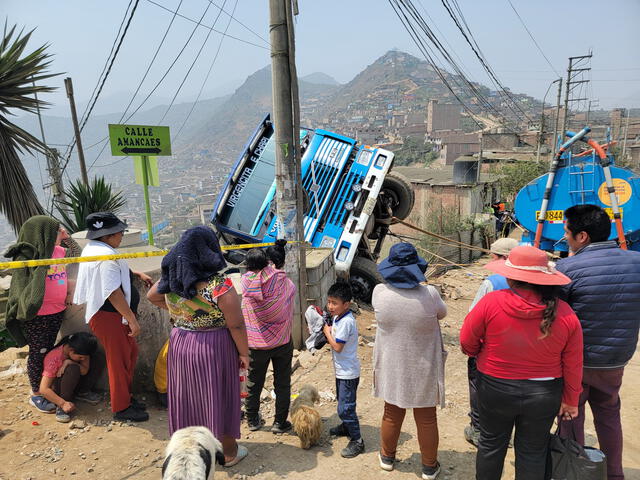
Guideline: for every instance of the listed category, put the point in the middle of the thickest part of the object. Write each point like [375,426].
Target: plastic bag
[572,461]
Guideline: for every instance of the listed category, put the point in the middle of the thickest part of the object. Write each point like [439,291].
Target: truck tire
[402,196]
[363,277]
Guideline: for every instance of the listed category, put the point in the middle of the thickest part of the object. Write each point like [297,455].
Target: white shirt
[346,362]
[97,280]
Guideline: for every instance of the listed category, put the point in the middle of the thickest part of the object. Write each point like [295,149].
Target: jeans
[472,372]
[346,391]
[281,358]
[532,407]
[600,388]
[426,424]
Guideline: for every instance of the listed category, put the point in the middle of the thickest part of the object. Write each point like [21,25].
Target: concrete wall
[154,326]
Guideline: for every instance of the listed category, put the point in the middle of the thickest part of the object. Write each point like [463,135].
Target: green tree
[20,73]
[516,175]
[415,151]
[83,200]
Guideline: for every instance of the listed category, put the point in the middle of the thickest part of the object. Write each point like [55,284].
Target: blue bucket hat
[403,268]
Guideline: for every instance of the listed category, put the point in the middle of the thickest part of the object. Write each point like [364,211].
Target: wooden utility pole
[541,134]
[624,140]
[288,174]
[74,118]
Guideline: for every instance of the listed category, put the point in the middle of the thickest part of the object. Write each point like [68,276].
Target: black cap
[100,224]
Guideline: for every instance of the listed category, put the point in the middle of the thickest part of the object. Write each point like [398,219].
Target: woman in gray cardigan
[409,355]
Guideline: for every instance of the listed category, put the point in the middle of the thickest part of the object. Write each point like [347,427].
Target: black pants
[472,371]
[281,358]
[41,333]
[72,382]
[529,405]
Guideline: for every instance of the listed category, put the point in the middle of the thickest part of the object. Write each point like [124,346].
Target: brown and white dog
[305,418]
[191,455]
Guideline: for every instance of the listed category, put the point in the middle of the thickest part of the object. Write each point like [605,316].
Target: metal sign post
[142,140]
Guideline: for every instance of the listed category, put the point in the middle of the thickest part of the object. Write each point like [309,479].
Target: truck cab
[350,197]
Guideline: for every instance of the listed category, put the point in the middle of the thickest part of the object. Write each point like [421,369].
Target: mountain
[320,78]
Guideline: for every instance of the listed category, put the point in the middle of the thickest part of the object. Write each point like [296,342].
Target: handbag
[571,461]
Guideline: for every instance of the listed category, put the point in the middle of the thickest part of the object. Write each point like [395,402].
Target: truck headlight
[348,206]
[343,253]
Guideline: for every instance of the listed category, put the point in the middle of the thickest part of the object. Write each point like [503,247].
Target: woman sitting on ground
[267,305]
[70,366]
[208,344]
[408,356]
[528,345]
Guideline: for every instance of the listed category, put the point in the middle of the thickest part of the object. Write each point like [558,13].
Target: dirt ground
[96,447]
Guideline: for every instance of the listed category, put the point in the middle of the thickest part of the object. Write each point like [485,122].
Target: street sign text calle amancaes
[139,140]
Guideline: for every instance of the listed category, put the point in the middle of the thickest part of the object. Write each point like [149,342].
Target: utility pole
[52,156]
[288,173]
[74,117]
[573,71]
[555,128]
[541,134]
[624,140]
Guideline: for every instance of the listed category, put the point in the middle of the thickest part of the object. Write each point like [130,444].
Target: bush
[517,175]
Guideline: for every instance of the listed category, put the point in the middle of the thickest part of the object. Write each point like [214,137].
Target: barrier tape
[118,256]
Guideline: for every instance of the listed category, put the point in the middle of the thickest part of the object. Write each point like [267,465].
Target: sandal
[240,454]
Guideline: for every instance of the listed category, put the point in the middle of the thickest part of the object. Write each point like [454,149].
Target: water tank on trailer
[576,183]
[465,171]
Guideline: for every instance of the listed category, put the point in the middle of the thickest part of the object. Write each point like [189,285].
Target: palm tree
[83,199]
[20,71]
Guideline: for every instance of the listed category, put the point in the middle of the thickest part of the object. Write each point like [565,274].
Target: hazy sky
[339,38]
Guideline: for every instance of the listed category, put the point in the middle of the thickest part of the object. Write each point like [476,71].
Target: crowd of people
[543,340]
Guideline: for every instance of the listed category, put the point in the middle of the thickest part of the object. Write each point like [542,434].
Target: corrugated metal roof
[439,176]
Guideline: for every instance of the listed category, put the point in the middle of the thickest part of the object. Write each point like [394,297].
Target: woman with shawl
[38,297]
[208,344]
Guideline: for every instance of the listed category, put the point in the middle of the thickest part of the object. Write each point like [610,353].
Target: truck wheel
[401,196]
[363,277]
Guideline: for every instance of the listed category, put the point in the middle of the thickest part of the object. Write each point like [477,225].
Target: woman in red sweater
[528,345]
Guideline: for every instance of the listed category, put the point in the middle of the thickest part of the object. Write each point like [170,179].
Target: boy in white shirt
[342,336]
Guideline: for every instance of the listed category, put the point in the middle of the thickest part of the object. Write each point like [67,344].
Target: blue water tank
[580,181]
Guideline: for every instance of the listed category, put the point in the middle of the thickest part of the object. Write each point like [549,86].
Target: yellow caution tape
[118,256]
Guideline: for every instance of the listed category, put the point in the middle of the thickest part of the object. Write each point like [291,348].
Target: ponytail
[549,294]
[82,343]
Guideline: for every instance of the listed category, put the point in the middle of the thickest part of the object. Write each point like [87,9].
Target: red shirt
[53,361]
[503,332]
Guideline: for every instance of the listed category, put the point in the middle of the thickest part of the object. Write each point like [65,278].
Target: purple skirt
[203,381]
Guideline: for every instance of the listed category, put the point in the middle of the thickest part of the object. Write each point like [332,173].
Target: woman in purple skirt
[208,344]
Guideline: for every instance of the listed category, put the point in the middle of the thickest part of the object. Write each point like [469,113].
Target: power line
[184,79]
[533,39]
[230,15]
[206,26]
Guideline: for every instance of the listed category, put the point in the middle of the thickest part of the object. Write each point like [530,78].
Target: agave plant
[20,73]
[82,200]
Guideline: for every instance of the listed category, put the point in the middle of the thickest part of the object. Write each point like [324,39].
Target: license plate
[553,216]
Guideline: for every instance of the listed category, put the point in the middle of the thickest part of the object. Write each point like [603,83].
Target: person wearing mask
[499,251]
[111,302]
[605,294]
[408,356]
[528,345]
[208,343]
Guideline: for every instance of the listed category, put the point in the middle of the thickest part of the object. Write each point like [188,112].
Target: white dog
[191,455]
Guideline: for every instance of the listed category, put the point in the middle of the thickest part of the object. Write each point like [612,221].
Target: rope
[440,237]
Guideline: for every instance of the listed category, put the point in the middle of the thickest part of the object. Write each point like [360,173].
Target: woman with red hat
[528,345]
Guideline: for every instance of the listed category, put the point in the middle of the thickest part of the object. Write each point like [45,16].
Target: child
[276,254]
[38,296]
[342,335]
[69,360]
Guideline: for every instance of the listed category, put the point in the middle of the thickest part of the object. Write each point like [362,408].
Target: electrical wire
[186,75]
[240,23]
[206,26]
[533,39]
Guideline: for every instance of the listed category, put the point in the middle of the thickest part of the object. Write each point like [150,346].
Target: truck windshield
[256,181]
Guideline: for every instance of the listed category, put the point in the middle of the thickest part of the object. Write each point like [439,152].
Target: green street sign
[139,140]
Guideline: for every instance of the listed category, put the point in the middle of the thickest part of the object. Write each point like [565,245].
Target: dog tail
[308,425]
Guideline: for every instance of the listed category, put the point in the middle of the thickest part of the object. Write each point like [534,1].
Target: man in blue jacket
[605,294]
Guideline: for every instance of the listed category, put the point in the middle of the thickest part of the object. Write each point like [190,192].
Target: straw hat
[529,264]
